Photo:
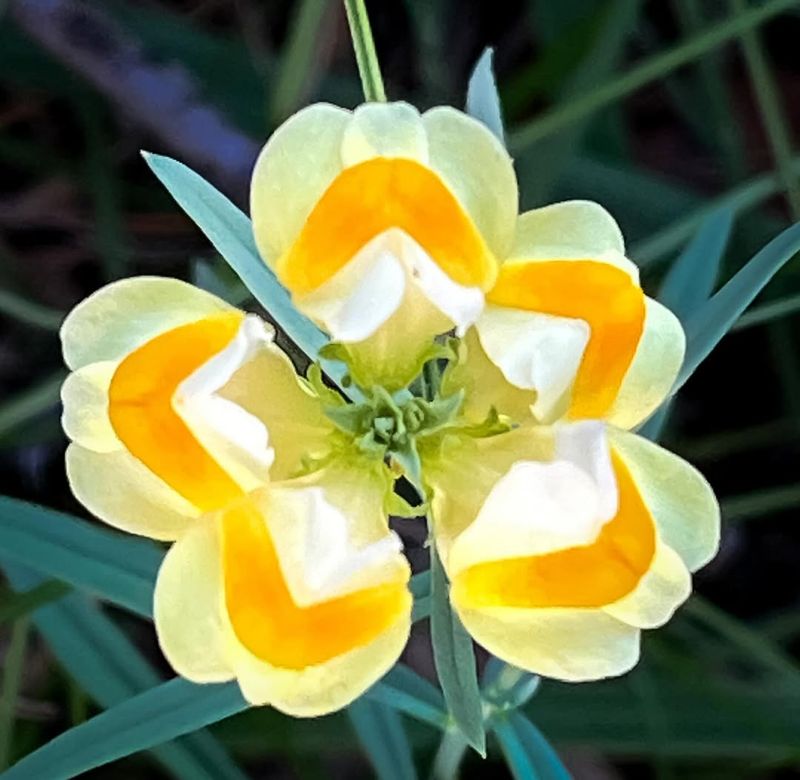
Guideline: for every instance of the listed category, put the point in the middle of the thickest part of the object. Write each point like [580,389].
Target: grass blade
[30,403]
[656,67]
[158,715]
[768,312]
[454,658]
[121,569]
[706,328]
[528,754]
[12,678]
[29,312]
[105,664]
[20,604]
[383,738]
[483,101]
[405,691]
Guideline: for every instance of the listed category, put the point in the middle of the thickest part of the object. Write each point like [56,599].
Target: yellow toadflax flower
[386,226]
[181,409]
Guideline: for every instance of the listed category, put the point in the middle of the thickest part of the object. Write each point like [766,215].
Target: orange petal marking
[371,197]
[600,294]
[142,413]
[271,625]
[591,576]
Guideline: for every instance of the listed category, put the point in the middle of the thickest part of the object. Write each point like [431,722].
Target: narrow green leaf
[634,78]
[483,101]
[107,666]
[706,328]
[121,569]
[13,665]
[528,753]
[383,738]
[364,46]
[158,715]
[449,755]
[688,286]
[19,605]
[231,233]
[30,403]
[297,61]
[454,658]
[29,312]
[405,691]
[692,277]
[767,312]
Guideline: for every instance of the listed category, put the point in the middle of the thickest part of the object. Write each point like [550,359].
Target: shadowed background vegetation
[665,112]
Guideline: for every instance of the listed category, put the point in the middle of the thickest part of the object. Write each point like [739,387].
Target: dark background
[84,86]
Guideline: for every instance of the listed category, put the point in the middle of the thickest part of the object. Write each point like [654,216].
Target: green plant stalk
[769,106]
[449,755]
[12,677]
[364,47]
[19,605]
[654,68]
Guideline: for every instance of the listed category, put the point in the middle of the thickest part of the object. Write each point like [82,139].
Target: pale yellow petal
[477,168]
[384,130]
[574,645]
[318,690]
[679,498]
[463,471]
[655,366]
[121,316]
[663,588]
[121,491]
[295,167]
[484,385]
[267,387]
[571,230]
[188,607]
[84,396]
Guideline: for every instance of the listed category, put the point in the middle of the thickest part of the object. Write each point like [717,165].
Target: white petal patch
[237,438]
[305,524]
[534,351]
[540,507]
[364,294]
[586,445]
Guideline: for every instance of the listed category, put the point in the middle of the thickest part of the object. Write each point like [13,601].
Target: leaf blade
[383,738]
[483,99]
[706,327]
[528,754]
[454,659]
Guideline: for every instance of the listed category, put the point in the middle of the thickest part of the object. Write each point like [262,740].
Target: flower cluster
[498,363]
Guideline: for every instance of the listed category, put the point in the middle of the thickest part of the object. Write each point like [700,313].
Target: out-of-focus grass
[663,112]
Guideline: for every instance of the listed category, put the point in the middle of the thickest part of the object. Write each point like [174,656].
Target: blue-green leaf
[483,100]
[405,691]
[688,286]
[121,569]
[107,666]
[231,233]
[708,325]
[454,658]
[158,715]
[528,754]
[383,738]
[692,276]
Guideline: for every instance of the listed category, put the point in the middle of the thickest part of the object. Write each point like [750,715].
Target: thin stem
[13,305]
[364,46]
[12,678]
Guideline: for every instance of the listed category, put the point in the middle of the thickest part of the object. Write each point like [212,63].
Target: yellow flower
[566,536]
[181,409]
[386,225]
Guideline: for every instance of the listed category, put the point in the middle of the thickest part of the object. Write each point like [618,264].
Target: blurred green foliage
[664,112]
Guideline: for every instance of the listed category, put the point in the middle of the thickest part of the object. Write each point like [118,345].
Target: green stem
[449,755]
[12,678]
[364,46]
